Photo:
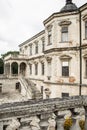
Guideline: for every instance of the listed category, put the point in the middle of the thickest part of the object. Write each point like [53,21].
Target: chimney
[68,1]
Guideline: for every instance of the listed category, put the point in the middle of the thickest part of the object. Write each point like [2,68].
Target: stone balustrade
[48,114]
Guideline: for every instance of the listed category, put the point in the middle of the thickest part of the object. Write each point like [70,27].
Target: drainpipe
[80,51]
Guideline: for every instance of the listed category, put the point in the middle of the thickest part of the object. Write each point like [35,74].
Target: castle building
[55,59]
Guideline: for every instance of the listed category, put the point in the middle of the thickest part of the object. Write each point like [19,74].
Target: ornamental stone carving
[63,23]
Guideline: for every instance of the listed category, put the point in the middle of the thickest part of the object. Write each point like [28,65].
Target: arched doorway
[14,68]
[1,66]
[23,68]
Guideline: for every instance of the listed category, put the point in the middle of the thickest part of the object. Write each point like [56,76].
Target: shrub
[82,124]
[68,123]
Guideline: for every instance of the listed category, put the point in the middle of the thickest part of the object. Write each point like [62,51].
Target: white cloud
[21,19]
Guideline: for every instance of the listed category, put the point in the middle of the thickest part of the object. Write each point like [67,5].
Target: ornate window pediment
[65,57]
[65,23]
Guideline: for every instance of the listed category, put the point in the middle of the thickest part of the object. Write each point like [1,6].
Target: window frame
[50,37]
[30,49]
[30,68]
[85,29]
[36,69]
[43,46]
[64,95]
[43,67]
[65,74]
[64,31]
[36,48]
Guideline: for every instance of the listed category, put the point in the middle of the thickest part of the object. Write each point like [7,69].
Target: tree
[10,52]
[1,66]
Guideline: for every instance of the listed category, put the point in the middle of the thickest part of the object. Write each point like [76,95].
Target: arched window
[23,68]
[14,68]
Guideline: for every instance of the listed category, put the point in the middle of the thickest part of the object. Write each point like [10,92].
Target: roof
[32,38]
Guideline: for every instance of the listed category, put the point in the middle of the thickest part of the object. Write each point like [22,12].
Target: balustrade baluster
[85,118]
[52,123]
[44,124]
[34,125]
[75,118]
[60,122]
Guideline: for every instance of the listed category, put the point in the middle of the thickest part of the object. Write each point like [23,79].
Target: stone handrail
[43,114]
[36,107]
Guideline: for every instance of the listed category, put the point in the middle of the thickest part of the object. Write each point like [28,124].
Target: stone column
[60,122]
[75,118]
[44,121]
[10,72]
[18,69]
[85,118]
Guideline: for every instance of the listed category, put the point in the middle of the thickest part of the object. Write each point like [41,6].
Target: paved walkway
[11,97]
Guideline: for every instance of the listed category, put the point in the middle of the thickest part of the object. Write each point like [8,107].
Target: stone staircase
[31,87]
[35,91]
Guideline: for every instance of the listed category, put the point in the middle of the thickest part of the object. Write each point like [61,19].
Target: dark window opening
[86,29]
[65,95]
[36,49]
[30,69]
[17,87]
[30,49]
[0,89]
[42,68]
[86,68]
[50,39]
[36,69]
[65,68]
[43,47]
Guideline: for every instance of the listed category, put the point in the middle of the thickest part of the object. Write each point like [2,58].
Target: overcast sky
[21,19]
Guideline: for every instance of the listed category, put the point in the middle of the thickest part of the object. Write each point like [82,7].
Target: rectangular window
[30,50]
[86,29]
[65,68]
[30,69]
[49,37]
[64,34]
[0,88]
[65,95]
[43,46]
[36,69]
[36,49]
[49,70]
[42,68]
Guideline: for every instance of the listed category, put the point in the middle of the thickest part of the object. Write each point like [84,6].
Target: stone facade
[56,58]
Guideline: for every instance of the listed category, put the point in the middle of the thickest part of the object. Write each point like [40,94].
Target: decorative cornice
[32,38]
